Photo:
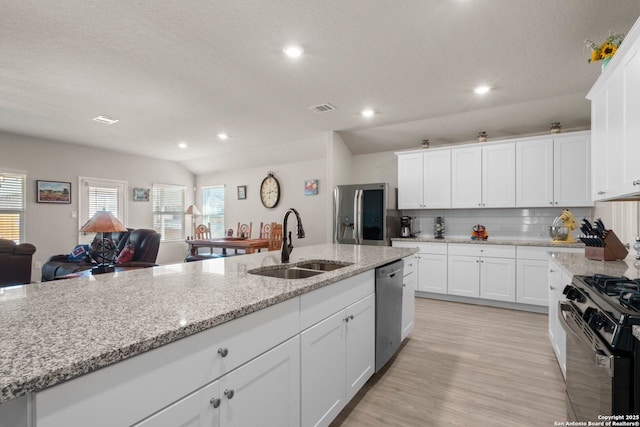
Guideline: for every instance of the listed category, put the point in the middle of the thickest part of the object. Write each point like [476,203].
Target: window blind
[168,211]
[12,206]
[103,199]
[213,209]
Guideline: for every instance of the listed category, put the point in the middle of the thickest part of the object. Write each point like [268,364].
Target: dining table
[248,245]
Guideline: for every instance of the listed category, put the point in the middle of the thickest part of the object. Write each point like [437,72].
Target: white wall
[51,227]
[376,167]
[291,176]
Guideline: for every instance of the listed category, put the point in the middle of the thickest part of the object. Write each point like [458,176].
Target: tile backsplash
[531,223]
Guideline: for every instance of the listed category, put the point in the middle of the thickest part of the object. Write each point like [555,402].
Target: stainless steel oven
[602,366]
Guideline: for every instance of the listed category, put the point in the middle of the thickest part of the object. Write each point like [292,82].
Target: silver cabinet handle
[229,394]
[600,193]
[215,402]
[551,288]
[223,351]
[551,270]
[346,319]
[550,203]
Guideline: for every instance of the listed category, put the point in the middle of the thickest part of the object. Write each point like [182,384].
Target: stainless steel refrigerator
[365,214]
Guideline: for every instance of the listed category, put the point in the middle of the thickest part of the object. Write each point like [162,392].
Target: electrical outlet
[74,214]
[37,265]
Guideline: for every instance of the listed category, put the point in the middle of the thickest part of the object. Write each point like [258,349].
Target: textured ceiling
[183,71]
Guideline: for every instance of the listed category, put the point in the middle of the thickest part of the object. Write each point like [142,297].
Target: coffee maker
[405,226]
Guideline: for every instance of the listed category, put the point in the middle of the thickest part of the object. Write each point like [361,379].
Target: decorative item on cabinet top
[555,127]
[424,143]
[482,136]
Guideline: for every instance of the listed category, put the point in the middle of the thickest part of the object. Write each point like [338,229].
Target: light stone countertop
[489,241]
[55,331]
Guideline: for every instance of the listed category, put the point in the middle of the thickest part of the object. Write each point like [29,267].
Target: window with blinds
[103,199]
[168,211]
[12,206]
[213,209]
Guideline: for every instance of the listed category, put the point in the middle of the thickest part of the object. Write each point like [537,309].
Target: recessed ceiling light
[481,90]
[223,136]
[182,145]
[367,113]
[293,51]
[106,120]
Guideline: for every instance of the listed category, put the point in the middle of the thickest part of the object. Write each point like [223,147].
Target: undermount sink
[323,265]
[299,271]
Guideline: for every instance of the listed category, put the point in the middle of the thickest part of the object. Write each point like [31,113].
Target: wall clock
[270,191]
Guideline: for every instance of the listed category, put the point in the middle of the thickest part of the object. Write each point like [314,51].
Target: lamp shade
[103,222]
[192,210]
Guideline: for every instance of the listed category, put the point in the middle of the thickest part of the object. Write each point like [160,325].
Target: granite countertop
[55,331]
[490,241]
[578,264]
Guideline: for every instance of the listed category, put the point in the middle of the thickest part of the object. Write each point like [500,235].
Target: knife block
[613,249]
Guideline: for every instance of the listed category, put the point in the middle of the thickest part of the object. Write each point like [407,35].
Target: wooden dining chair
[244,230]
[202,232]
[265,230]
[275,238]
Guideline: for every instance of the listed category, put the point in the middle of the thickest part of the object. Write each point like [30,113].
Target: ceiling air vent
[106,120]
[322,108]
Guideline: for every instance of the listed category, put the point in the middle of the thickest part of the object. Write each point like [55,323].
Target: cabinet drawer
[542,252]
[130,390]
[475,249]
[322,303]
[410,264]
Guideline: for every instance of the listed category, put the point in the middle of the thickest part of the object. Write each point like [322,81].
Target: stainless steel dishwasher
[388,311]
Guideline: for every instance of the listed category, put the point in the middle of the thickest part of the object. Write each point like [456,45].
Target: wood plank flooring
[465,365]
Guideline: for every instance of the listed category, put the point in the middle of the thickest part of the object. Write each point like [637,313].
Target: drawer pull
[223,352]
[215,402]
[229,394]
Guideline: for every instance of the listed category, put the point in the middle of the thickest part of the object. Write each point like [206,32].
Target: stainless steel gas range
[603,358]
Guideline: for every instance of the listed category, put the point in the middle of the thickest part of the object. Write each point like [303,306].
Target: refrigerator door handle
[336,219]
[357,208]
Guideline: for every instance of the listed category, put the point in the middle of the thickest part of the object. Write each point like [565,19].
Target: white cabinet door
[631,120]
[534,173]
[532,282]
[410,181]
[437,179]
[571,179]
[408,303]
[614,143]
[466,177]
[498,278]
[498,172]
[323,354]
[432,273]
[360,338]
[464,276]
[265,391]
[200,409]
[557,281]
[599,152]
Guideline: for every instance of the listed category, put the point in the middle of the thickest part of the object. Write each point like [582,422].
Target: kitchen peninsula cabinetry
[483,176]
[337,347]
[557,280]
[482,271]
[409,284]
[424,180]
[553,171]
[432,265]
[615,108]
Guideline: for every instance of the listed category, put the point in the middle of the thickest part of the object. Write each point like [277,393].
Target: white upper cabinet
[615,108]
[482,177]
[424,180]
[553,171]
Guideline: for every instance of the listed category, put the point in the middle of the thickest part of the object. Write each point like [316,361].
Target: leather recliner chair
[146,244]
[15,262]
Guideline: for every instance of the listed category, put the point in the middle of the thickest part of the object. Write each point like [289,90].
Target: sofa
[144,244]
[15,262]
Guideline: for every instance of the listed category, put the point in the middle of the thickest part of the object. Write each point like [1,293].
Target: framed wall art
[242,192]
[141,194]
[53,192]
[310,187]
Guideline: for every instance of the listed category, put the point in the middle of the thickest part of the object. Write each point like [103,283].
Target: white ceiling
[182,71]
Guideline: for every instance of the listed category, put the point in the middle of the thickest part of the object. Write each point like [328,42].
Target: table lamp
[193,211]
[105,223]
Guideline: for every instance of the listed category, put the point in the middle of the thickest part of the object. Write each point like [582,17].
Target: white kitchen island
[202,342]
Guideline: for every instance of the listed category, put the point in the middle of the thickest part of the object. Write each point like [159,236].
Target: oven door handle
[603,359]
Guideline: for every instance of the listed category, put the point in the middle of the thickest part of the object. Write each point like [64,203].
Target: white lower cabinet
[432,265]
[558,279]
[409,281]
[338,357]
[482,271]
[265,391]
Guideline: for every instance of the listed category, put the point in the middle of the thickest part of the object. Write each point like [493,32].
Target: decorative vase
[555,127]
[482,136]
[605,62]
